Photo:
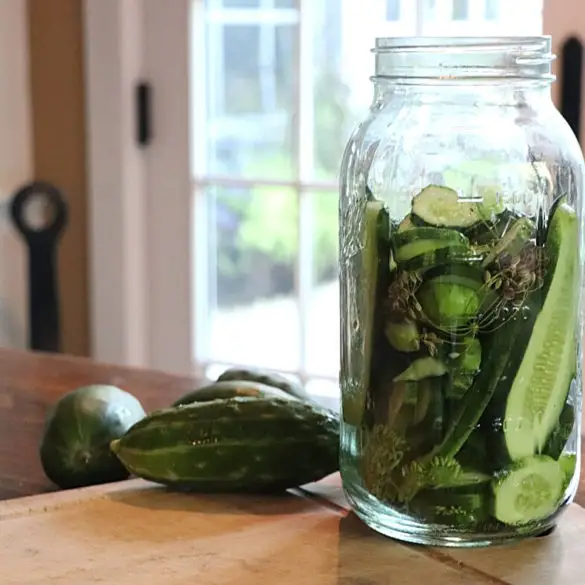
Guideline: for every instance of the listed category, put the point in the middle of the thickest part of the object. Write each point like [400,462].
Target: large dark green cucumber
[233,445]
[231,389]
[251,374]
[540,387]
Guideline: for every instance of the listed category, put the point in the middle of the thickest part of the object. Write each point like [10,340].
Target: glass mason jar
[461,254]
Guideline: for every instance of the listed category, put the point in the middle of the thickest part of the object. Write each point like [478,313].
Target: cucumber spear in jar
[481,318]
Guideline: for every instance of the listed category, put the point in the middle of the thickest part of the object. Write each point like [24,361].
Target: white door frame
[140,278]
[140,289]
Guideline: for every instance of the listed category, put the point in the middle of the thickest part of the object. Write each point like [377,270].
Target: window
[460,9]
[392,10]
[492,9]
[278,116]
[277,121]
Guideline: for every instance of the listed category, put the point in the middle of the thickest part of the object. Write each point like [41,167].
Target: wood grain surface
[136,532]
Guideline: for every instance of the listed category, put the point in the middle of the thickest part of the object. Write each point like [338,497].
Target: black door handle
[44,325]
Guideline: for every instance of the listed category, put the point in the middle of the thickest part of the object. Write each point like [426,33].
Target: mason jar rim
[447,42]
[453,59]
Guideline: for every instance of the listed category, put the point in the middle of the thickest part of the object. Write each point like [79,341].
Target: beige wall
[58,126]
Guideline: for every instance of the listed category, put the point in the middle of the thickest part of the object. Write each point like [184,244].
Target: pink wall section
[562,19]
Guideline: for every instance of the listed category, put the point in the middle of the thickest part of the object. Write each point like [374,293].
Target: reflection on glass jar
[461,254]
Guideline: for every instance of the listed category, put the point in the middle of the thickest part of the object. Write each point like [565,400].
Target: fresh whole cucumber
[231,389]
[233,445]
[263,377]
[75,445]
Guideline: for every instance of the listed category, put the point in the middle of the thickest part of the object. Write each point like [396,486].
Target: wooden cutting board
[136,533]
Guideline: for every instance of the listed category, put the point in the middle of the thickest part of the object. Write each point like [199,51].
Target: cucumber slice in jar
[376,231]
[419,246]
[442,206]
[528,490]
[417,234]
[540,387]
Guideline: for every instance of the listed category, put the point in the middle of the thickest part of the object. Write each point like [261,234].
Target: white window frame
[142,305]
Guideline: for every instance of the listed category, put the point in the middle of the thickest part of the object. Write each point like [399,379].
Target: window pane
[326,392]
[460,10]
[250,93]
[491,9]
[341,90]
[254,314]
[238,3]
[322,342]
[429,10]
[392,10]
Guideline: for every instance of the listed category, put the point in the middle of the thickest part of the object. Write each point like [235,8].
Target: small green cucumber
[448,304]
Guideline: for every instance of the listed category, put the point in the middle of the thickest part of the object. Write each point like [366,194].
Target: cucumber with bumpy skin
[233,445]
[231,389]
[263,377]
[539,391]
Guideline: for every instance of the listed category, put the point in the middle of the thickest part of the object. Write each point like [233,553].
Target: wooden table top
[31,382]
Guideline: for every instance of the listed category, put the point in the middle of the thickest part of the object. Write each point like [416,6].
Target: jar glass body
[461,255]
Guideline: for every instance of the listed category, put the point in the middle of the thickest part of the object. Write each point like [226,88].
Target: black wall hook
[44,317]
[571,82]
